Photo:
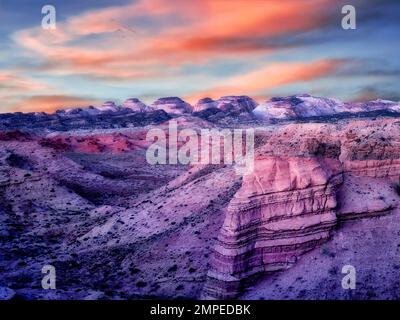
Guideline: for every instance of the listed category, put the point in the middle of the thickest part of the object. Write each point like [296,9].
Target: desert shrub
[173,268]
[397,188]
[326,252]
[141,284]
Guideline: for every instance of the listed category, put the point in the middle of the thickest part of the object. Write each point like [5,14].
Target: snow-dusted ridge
[227,110]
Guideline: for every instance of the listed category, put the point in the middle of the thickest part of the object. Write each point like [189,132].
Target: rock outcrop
[284,209]
[225,111]
[228,104]
[136,105]
[306,179]
[237,104]
[108,106]
[204,104]
[81,119]
[306,106]
[372,151]
[172,105]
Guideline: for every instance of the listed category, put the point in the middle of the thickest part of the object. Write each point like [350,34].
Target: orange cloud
[272,76]
[50,103]
[11,82]
[188,31]
[229,21]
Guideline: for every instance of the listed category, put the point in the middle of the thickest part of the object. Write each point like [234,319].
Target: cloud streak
[49,103]
[206,30]
[10,81]
[272,76]
[195,48]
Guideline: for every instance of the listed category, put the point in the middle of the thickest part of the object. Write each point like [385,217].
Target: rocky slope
[322,195]
[291,205]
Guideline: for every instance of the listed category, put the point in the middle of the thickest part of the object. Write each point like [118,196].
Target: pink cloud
[207,29]
[272,76]
[49,103]
[10,82]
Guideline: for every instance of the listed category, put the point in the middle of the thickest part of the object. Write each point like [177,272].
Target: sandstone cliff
[290,205]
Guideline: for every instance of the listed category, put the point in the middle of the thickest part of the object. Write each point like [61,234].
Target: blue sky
[112,50]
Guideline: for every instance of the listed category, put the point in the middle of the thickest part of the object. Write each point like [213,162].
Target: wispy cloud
[48,103]
[10,81]
[198,47]
[206,29]
[272,76]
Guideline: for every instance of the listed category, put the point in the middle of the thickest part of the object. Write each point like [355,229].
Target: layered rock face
[372,151]
[297,106]
[285,208]
[306,178]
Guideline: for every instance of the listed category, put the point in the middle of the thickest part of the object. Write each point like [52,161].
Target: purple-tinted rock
[108,106]
[136,105]
[237,104]
[305,105]
[6,293]
[173,105]
[204,104]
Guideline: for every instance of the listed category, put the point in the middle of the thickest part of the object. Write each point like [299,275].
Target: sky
[113,50]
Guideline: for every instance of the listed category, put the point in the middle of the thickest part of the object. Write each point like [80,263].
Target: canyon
[77,193]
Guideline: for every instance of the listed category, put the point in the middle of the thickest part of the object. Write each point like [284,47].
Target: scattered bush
[141,284]
[192,270]
[134,270]
[326,252]
[173,268]
[397,188]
